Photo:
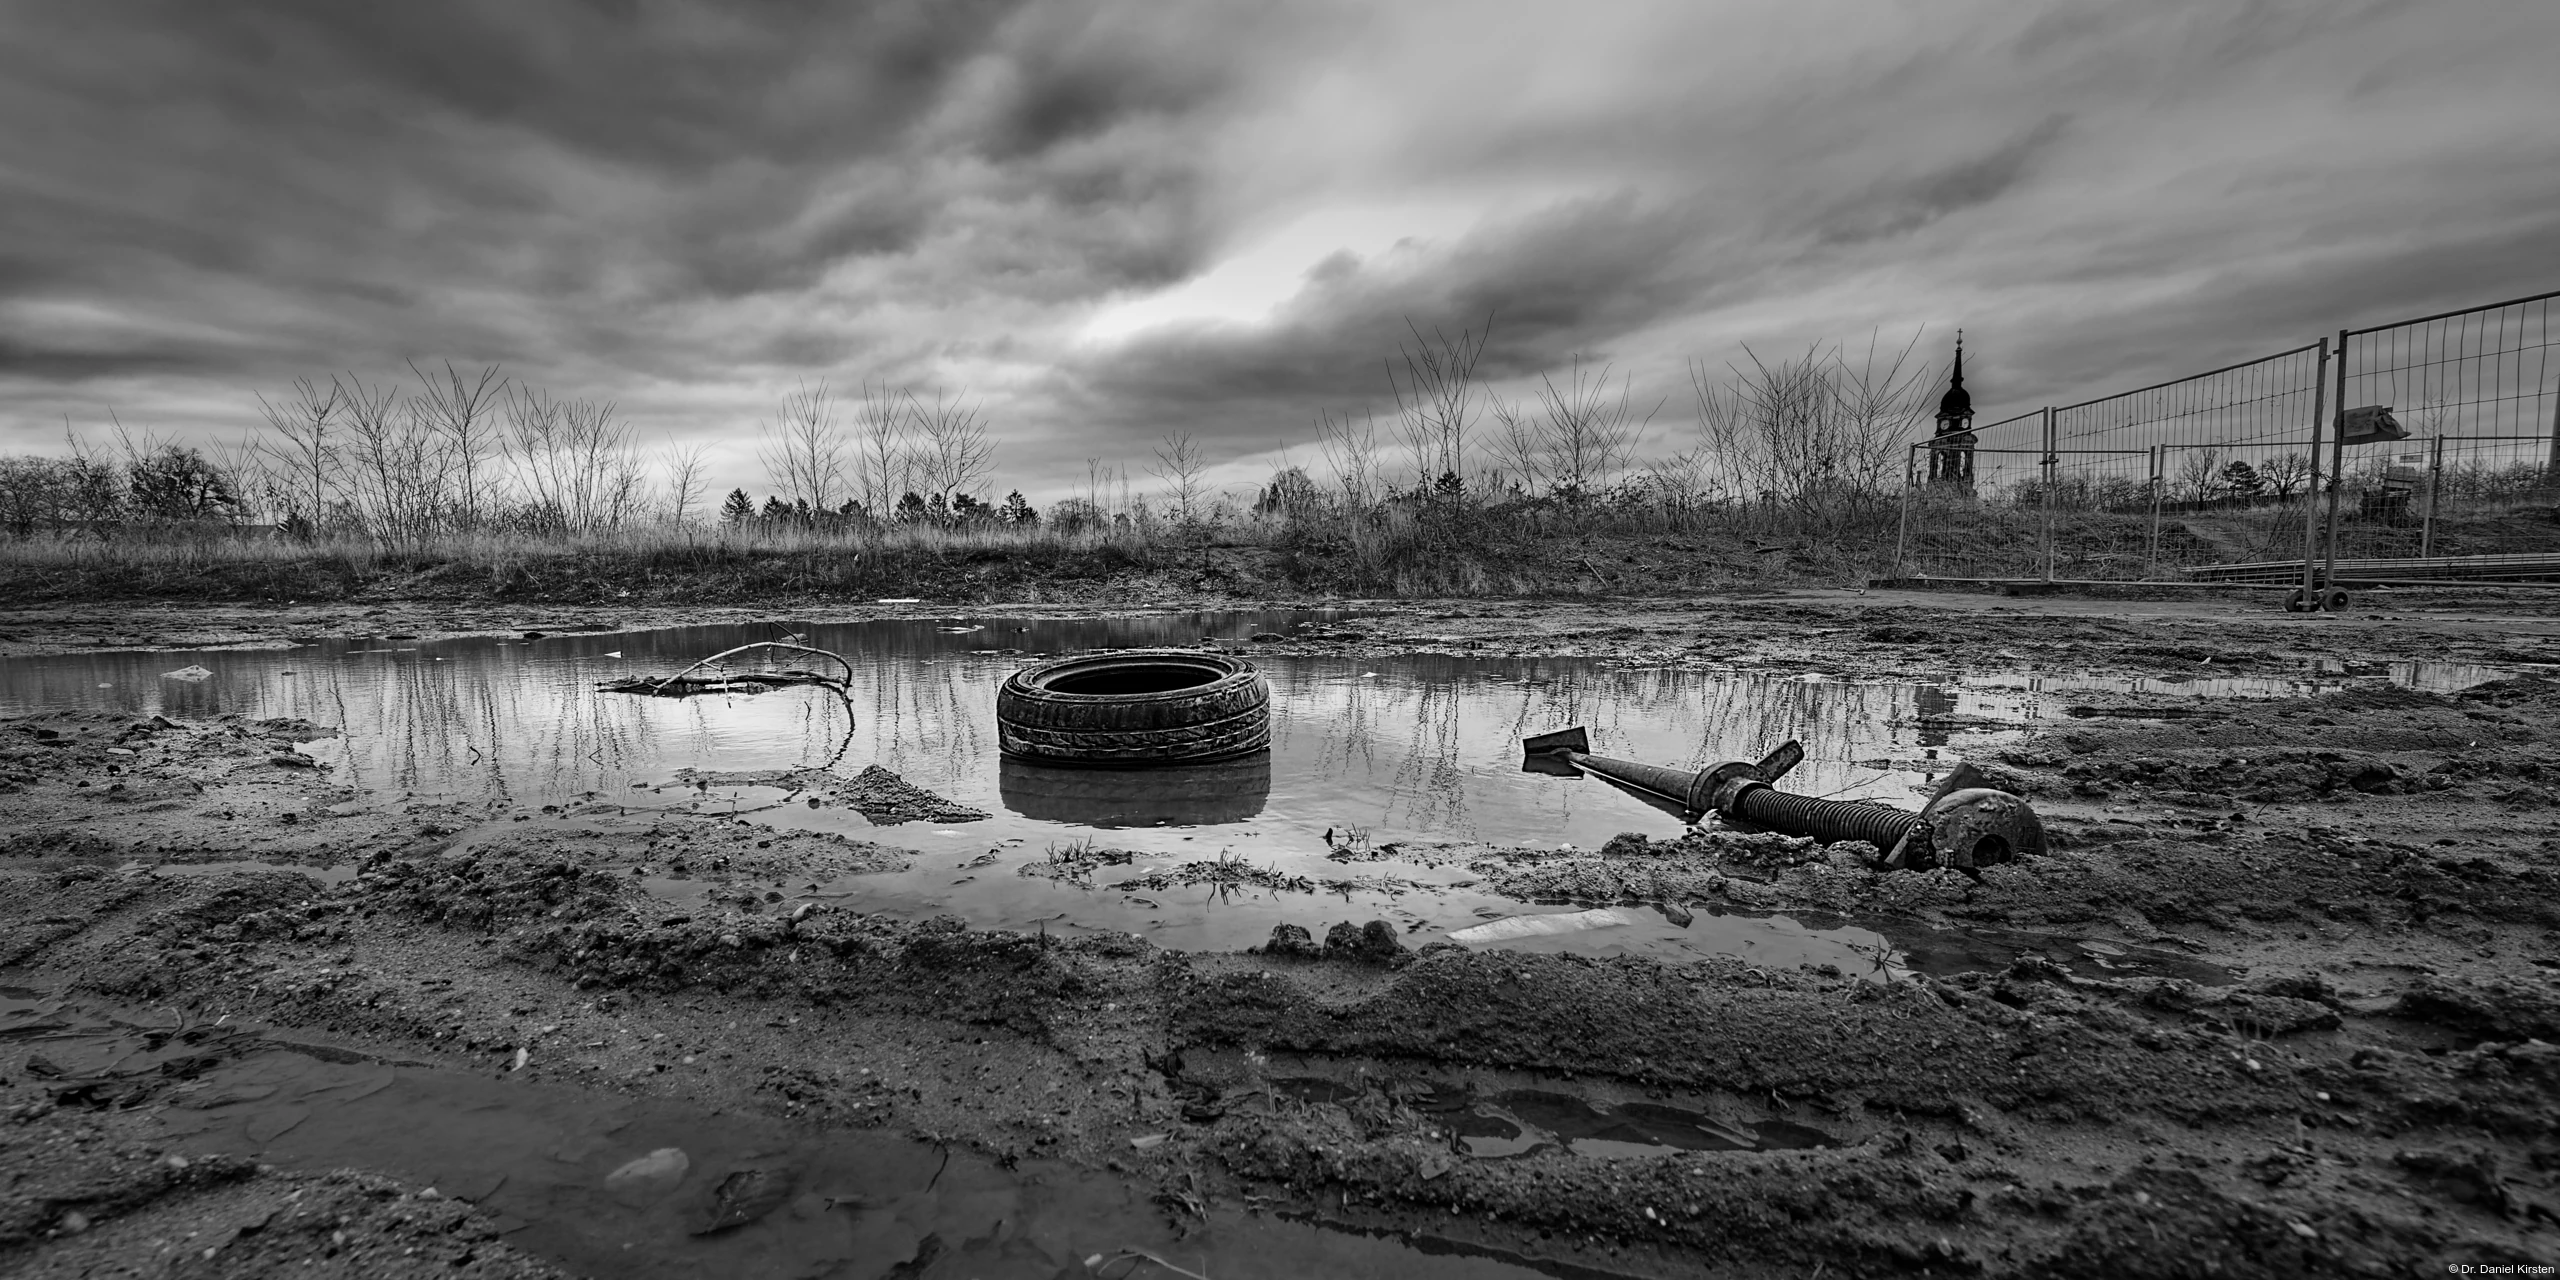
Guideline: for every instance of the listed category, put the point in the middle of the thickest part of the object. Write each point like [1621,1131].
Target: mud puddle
[1943,953]
[1370,753]
[1505,1123]
[1426,904]
[2325,676]
[612,1185]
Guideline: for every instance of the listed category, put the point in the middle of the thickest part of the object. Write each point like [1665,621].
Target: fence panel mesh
[1961,513]
[2472,490]
[2164,483]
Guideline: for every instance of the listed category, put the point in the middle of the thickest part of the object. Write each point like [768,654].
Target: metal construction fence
[2422,451]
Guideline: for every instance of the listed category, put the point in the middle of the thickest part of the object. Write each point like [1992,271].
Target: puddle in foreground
[619,1186]
[1421,747]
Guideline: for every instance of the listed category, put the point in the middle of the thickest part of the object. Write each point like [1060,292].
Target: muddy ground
[2359,1073]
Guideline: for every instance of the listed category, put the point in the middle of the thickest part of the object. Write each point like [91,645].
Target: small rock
[1376,940]
[1290,940]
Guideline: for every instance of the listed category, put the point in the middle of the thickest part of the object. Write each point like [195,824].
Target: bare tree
[465,412]
[1351,451]
[535,446]
[580,469]
[607,483]
[2285,474]
[883,462]
[2200,473]
[1808,432]
[396,466]
[1436,401]
[687,468]
[802,450]
[1180,463]
[305,451]
[1574,438]
[1881,406]
[953,453]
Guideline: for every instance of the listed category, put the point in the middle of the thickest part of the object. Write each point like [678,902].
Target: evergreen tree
[1017,511]
[738,509]
[775,509]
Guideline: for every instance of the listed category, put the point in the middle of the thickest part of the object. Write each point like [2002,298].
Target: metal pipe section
[1965,825]
[1883,826]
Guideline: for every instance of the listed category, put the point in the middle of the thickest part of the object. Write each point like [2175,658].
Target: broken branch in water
[684,684]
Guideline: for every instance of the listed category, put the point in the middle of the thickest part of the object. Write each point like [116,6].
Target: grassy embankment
[1393,552]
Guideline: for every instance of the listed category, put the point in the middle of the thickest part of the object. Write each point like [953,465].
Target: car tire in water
[1135,709]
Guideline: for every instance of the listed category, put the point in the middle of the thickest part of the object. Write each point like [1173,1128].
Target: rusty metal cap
[1982,827]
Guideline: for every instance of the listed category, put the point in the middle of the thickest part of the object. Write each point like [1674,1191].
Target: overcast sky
[1111,221]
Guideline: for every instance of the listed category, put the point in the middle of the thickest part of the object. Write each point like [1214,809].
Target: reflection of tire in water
[1185,795]
[1144,707]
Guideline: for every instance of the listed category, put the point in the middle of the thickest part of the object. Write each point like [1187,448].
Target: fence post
[2551,473]
[2337,465]
[2159,459]
[2311,496]
[2050,495]
[1902,528]
[2435,481]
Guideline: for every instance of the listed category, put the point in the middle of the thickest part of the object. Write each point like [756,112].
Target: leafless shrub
[396,480]
[803,449]
[687,478]
[303,453]
[1180,463]
[883,460]
[1572,440]
[1436,401]
[1809,433]
[1350,448]
[952,453]
[465,413]
[576,461]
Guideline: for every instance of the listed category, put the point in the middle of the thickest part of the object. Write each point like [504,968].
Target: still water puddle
[1419,748]
[611,1185]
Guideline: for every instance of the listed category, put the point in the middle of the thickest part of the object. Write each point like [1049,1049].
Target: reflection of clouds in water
[1428,746]
[501,729]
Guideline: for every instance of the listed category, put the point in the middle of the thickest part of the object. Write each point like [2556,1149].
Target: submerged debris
[1075,863]
[1223,870]
[686,684]
[877,793]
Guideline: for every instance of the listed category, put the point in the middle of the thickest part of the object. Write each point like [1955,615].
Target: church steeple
[1956,407]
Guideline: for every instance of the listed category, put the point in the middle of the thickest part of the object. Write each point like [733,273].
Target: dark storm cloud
[55,364]
[1565,281]
[599,173]
[1902,206]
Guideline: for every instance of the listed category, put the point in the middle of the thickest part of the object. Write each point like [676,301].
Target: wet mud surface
[2283,998]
